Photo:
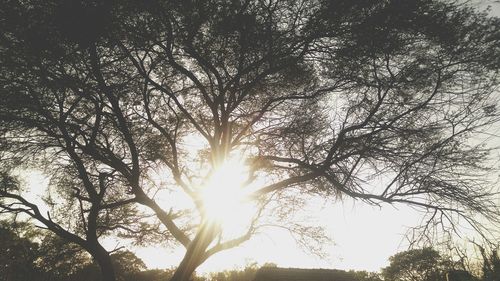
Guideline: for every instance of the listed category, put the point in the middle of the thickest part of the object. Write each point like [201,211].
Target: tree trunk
[195,252]
[185,269]
[105,265]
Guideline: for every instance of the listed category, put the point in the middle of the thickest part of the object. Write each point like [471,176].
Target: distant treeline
[28,254]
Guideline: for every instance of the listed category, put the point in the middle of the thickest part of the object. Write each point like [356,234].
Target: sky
[494,5]
[363,237]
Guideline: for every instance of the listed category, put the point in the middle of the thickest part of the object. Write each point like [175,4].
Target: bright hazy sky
[363,236]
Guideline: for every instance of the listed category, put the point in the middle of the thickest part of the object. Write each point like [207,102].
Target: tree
[32,254]
[246,274]
[11,201]
[366,276]
[491,263]
[373,100]
[60,259]
[417,265]
[19,254]
[91,207]
[61,255]
[126,264]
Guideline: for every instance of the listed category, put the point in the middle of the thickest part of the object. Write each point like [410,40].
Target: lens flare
[224,196]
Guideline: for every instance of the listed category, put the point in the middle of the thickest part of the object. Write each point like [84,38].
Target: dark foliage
[417,265]
[491,264]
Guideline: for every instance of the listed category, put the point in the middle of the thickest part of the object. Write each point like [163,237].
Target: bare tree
[376,101]
[43,109]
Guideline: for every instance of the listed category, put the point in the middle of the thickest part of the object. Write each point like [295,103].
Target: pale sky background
[364,236]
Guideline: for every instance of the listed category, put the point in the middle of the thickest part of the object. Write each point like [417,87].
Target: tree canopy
[29,254]
[119,100]
[424,264]
[490,263]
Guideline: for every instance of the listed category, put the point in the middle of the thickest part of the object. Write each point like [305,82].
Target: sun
[224,196]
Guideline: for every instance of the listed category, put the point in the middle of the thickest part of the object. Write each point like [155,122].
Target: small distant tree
[246,274]
[152,275]
[82,230]
[490,263]
[460,275]
[18,254]
[127,265]
[417,265]
[29,253]
[60,258]
[366,276]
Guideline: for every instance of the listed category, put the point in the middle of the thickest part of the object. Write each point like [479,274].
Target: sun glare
[224,196]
